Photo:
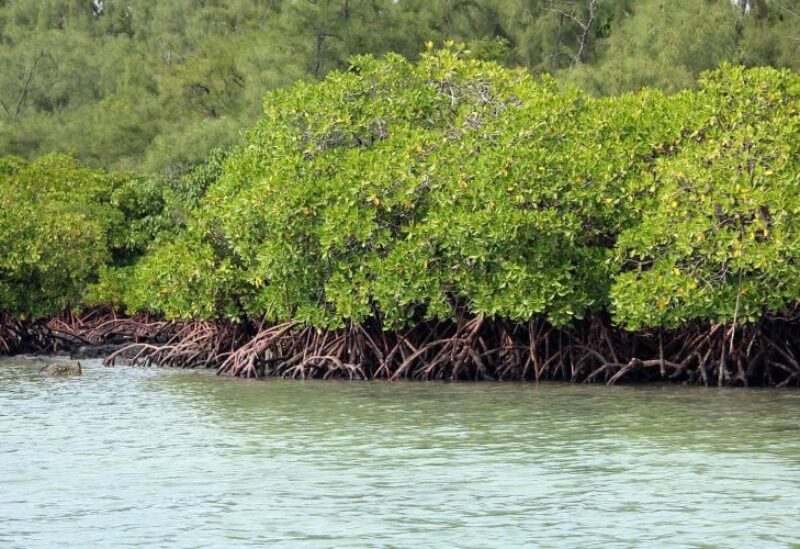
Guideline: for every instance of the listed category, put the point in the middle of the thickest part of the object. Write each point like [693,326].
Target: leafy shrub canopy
[62,223]
[402,191]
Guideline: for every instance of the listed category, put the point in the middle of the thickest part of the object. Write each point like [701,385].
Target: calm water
[130,456]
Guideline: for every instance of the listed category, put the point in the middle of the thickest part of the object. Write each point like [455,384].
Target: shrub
[400,191]
[55,232]
[62,223]
[721,240]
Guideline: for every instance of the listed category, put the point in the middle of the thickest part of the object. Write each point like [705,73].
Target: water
[147,457]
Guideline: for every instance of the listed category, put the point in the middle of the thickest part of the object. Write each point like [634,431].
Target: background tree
[153,86]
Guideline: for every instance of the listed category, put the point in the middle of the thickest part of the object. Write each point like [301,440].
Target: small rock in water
[60,369]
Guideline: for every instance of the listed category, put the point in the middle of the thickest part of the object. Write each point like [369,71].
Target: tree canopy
[402,191]
[153,86]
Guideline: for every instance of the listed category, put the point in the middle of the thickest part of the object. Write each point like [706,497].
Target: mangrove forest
[494,207]
[444,219]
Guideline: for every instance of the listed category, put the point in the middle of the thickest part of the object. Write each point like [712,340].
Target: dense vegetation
[153,86]
[62,224]
[448,218]
[396,190]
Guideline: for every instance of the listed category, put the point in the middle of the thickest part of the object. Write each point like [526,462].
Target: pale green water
[142,457]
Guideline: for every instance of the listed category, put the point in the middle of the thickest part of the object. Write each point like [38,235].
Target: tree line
[154,86]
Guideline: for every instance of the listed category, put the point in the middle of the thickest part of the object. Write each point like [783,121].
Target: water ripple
[132,457]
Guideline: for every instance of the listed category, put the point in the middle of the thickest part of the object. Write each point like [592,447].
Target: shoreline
[471,349]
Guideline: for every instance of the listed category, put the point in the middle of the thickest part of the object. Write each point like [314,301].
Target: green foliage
[722,238]
[154,86]
[10,165]
[55,233]
[62,223]
[193,287]
[663,45]
[157,215]
[405,191]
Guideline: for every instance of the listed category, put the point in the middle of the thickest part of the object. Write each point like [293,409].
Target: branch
[567,14]
[26,87]
[585,27]
[5,108]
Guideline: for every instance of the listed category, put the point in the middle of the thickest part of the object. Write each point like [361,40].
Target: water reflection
[168,457]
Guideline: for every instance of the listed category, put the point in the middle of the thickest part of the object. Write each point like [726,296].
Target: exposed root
[70,331]
[477,348]
[192,345]
[472,348]
[101,326]
[252,358]
[11,335]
